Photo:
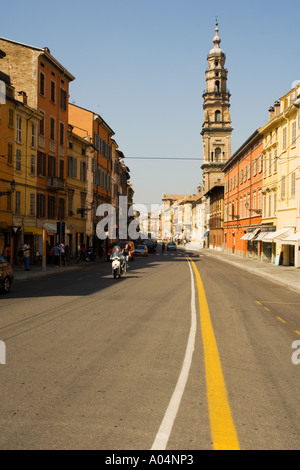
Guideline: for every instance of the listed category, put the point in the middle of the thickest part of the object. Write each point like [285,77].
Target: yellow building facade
[281,174]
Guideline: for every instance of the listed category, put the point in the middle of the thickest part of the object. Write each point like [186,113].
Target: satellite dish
[295,83]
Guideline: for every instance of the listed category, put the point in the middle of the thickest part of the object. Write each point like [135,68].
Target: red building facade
[243,180]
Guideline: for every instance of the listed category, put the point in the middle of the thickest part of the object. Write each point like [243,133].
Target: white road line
[162,437]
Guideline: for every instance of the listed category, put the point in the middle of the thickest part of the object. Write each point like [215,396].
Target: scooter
[119,266]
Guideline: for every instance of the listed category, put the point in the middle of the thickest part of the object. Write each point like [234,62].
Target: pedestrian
[63,254]
[7,252]
[56,252]
[163,246]
[26,255]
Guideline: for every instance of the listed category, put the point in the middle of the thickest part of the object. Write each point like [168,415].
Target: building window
[270,163]
[51,166]
[283,187]
[61,208]
[9,154]
[42,125]
[275,203]
[82,171]
[72,167]
[270,205]
[41,206]
[63,99]
[61,134]
[70,202]
[33,136]
[265,205]
[41,164]
[32,205]
[293,184]
[10,118]
[218,116]
[51,207]
[19,129]
[217,154]
[17,202]
[52,128]
[294,133]
[275,161]
[52,91]
[255,167]
[254,200]
[18,160]
[217,86]
[284,138]
[32,165]
[42,84]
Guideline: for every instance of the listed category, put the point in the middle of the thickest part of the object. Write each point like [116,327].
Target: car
[6,275]
[150,245]
[141,250]
[171,246]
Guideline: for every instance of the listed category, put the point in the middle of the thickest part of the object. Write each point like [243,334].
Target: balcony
[55,183]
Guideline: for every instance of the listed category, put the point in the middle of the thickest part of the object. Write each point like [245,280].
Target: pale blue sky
[141,65]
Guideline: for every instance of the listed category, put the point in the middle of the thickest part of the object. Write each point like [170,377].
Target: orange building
[7,139]
[44,83]
[87,123]
[243,199]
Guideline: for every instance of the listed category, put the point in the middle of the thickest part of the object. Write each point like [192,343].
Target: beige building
[281,177]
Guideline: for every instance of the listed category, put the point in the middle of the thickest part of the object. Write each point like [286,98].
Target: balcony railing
[53,182]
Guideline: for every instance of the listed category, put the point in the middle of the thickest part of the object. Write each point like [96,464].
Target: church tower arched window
[218,116]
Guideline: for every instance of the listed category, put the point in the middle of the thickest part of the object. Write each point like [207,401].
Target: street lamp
[12,189]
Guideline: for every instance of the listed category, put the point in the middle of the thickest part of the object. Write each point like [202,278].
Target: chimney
[277,108]
[22,97]
[272,112]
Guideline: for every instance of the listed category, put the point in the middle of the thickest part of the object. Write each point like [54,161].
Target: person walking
[26,255]
[56,252]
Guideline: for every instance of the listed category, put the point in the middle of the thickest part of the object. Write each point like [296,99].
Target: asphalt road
[93,362]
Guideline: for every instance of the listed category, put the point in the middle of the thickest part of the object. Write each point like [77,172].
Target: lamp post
[12,189]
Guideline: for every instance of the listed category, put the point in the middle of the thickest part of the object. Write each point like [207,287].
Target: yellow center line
[223,431]
[281,319]
[266,308]
[298,332]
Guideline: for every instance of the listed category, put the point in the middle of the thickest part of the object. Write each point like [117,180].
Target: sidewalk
[288,276]
[37,270]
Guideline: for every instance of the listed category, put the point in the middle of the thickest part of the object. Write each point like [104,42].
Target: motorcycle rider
[116,253]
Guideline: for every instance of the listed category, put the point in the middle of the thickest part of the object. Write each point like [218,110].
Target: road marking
[259,303]
[298,332]
[224,436]
[164,431]
[281,319]
[266,308]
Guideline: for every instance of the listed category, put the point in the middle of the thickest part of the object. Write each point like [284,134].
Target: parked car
[6,275]
[150,245]
[171,246]
[141,250]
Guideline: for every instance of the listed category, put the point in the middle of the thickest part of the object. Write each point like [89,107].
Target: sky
[140,64]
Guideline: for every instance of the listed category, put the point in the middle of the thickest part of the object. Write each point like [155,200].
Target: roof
[46,52]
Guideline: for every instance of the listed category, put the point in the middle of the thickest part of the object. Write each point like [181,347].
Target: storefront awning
[292,239]
[32,231]
[250,235]
[261,236]
[279,235]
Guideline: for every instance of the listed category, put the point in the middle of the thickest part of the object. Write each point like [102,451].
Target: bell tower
[216,128]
